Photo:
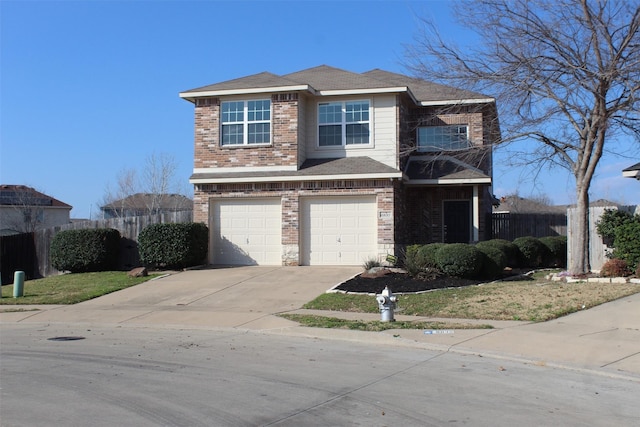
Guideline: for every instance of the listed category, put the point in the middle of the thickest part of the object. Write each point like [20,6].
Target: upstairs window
[343,123]
[443,138]
[246,122]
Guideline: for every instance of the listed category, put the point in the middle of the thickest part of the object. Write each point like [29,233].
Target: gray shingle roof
[441,169]
[424,90]
[326,78]
[312,167]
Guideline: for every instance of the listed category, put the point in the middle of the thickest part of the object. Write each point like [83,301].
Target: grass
[71,288]
[534,299]
[315,321]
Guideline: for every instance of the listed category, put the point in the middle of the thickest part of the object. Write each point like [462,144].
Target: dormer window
[246,122]
[443,138]
[343,123]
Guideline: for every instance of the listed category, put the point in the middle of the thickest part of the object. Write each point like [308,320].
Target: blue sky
[89,88]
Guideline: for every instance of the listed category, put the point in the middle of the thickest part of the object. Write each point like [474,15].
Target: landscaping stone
[138,272]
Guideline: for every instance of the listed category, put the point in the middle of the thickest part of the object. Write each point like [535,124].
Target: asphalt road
[134,376]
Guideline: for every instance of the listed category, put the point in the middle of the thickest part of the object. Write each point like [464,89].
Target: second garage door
[246,231]
[338,230]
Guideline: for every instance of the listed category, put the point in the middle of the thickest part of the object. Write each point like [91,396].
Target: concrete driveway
[244,297]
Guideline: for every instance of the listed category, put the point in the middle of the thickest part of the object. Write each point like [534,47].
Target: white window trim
[245,124]
[424,149]
[344,145]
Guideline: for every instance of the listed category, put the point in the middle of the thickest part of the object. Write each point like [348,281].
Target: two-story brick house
[326,166]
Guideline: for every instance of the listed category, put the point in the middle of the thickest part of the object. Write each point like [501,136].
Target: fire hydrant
[386,304]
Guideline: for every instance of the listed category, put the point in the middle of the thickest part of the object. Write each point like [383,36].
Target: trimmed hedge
[510,251]
[495,259]
[533,252]
[86,250]
[459,260]
[173,245]
[557,254]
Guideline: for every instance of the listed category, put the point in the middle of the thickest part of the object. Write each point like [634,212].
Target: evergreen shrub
[557,251]
[495,259]
[627,243]
[532,251]
[86,250]
[173,245]
[459,260]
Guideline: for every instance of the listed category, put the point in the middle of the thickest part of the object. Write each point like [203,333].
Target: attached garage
[246,231]
[340,230]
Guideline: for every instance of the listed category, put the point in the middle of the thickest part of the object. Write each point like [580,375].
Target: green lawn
[71,288]
[534,299]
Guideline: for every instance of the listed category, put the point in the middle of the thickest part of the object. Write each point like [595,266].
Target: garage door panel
[339,230]
[246,231]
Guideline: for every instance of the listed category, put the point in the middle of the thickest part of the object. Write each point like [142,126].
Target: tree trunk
[580,240]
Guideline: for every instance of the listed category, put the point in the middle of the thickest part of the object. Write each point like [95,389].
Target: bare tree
[566,74]
[150,188]
[27,209]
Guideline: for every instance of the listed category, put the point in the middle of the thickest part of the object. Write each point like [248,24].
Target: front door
[457,221]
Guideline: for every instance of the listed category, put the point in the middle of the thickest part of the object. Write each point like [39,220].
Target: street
[74,375]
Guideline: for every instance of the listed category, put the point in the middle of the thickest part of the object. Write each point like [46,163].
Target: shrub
[510,251]
[615,268]
[627,243]
[494,260]
[459,260]
[173,245]
[426,255]
[87,250]
[532,251]
[557,254]
[421,258]
[609,221]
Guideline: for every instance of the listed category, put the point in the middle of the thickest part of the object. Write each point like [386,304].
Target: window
[343,123]
[442,138]
[246,122]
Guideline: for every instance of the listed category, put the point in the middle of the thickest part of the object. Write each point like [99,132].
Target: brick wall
[283,150]
[290,193]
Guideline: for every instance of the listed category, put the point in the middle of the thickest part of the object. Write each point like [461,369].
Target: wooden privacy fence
[510,226]
[597,248]
[29,252]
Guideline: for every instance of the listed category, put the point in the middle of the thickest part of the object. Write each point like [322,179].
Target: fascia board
[291,178]
[631,174]
[457,102]
[250,91]
[363,91]
[455,181]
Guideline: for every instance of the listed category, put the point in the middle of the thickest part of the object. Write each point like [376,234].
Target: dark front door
[457,221]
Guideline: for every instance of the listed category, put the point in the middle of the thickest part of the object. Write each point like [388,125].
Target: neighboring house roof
[21,195]
[325,80]
[315,169]
[442,170]
[142,201]
[517,204]
[632,171]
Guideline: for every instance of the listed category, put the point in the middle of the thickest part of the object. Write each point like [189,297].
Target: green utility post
[18,284]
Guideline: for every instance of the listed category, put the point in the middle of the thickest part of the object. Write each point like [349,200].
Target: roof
[442,170]
[632,171]
[22,195]
[144,200]
[311,169]
[325,80]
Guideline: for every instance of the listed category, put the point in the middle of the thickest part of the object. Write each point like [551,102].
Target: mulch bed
[400,283]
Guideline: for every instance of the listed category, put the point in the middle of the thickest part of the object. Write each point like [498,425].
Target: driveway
[214,297]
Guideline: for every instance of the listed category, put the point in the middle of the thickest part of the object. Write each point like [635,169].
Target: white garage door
[338,230]
[246,231]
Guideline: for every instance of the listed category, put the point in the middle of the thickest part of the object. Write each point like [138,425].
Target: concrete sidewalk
[605,338]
